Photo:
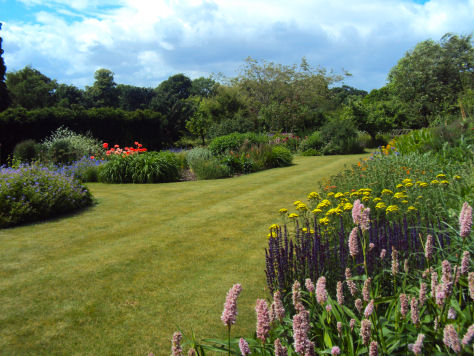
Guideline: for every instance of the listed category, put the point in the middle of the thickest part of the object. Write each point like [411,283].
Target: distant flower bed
[33,192]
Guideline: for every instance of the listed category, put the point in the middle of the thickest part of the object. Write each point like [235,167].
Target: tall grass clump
[33,192]
[146,167]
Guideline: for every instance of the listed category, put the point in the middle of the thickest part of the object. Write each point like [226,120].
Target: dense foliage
[33,192]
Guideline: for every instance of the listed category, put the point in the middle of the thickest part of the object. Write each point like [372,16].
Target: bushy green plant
[62,152]
[27,151]
[198,154]
[280,157]
[310,152]
[210,169]
[313,141]
[147,167]
[76,145]
[32,192]
[341,137]
[227,143]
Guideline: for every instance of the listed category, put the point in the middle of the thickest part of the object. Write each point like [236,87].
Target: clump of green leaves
[32,192]
[147,167]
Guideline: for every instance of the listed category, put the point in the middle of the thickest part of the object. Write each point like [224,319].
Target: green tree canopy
[430,78]
[133,98]
[30,88]
[69,96]
[4,97]
[104,91]
[282,97]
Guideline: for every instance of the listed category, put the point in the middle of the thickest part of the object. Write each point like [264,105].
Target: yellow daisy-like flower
[399,195]
[387,191]
[347,206]
[444,182]
[407,180]
[317,211]
[365,199]
[376,200]
[330,194]
[441,176]
[457,177]
[274,227]
[347,194]
[324,221]
[419,197]
[423,184]
[354,194]
[325,203]
[434,181]
[404,201]
[380,205]
[366,193]
[302,207]
[283,211]
[313,195]
[391,209]
[293,216]
[418,182]
[295,203]
[399,186]
[311,231]
[408,185]
[412,208]
[272,234]
[304,229]
[338,195]
[334,211]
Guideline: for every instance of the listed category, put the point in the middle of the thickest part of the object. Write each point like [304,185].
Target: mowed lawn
[120,277]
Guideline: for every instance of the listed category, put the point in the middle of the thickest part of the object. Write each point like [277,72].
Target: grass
[121,277]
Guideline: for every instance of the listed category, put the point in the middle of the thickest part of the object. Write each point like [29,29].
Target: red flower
[139,145]
[92,157]
[116,146]
[105,145]
[136,143]
[142,150]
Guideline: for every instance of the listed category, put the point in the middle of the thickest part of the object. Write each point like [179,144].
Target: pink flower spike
[263,319]
[321,293]
[244,347]
[465,220]
[335,350]
[176,344]
[451,339]
[229,314]
[309,285]
[353,242]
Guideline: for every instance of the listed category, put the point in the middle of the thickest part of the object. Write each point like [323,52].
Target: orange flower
[92,157]
[105,145]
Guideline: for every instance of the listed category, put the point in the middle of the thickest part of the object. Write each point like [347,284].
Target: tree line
[430,84]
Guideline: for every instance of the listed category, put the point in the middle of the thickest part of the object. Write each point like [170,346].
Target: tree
[281,97]
[133,98]
[204,87]
[170,100]
[200,122]
[30,88]
[104,92]
[4,97]
[430,78]
[69,96]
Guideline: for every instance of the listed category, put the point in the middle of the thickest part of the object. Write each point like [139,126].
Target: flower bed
[32,192]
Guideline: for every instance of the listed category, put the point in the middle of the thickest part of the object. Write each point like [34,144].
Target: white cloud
[144,42]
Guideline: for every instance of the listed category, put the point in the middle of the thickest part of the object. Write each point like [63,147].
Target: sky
[143,42]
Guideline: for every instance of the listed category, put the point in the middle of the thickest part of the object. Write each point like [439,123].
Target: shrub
[198,154]
[238,124]
[227,143]
[280,157]
[341,137]
[210,169]
[310,152]
[72,146]
[313,141]
[86,169]
[147,167]
[62,152]
[27,151]
[33,192]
